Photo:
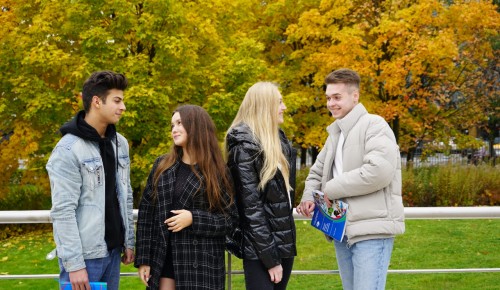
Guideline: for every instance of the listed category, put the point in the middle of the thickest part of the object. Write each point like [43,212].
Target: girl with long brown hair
[186,209]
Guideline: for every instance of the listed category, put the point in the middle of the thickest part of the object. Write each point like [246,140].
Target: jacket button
[195,265]
[195,242]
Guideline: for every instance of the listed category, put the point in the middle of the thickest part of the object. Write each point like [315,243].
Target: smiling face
[111,110]
[179,133]
[341,99]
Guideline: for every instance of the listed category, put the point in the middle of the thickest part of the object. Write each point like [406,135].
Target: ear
[355,95]
[96,101]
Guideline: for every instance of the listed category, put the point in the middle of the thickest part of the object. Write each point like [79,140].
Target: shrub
[451,185]
[300,183]
[418,186]
[23,197]
[444,185]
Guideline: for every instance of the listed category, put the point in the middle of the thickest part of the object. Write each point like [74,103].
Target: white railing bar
[484,212]
[408,271]
[473,212]
[476,212]
[294,272]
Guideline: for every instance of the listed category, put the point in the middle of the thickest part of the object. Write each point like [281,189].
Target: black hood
[242,134]
[79,127]
[239,135]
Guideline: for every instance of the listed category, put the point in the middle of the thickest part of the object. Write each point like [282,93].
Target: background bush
[23,197]
[451,185]
[443,185]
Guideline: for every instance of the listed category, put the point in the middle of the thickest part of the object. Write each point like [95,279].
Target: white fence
[481,212]
[486,212]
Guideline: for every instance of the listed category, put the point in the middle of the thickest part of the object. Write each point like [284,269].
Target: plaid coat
[198,250]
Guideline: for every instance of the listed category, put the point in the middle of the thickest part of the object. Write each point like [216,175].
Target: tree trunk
[303,157]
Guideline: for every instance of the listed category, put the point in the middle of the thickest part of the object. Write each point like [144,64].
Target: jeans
[105,269]
[257,276]
[363,266]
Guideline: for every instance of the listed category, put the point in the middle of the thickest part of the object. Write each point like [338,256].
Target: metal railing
[480,212]
[487,212]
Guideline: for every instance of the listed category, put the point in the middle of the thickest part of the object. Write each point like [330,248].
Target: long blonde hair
[259,110]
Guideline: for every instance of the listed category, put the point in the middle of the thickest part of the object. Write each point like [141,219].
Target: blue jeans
[363,266]
[105,269]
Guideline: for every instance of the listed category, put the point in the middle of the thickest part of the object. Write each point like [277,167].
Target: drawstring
[116,159]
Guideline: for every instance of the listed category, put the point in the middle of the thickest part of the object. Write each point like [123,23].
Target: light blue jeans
[363,266]
[105,269]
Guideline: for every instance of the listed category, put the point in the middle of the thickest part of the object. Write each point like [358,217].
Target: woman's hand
[182,219]
[144,274]
[276,274]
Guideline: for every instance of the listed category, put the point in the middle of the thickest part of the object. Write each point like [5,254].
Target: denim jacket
[76,175]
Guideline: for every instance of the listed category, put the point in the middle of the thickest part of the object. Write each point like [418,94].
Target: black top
[183,172]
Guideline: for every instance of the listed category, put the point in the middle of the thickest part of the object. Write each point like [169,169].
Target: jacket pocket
[367,207]
[123,168]
[92,173]
[90,223]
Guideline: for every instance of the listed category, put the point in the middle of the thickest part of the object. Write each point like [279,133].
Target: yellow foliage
[17,149]
[413,57]
[420,62]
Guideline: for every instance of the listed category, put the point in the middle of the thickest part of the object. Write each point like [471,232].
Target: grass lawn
[427,244]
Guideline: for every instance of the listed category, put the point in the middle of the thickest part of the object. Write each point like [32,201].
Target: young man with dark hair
[361,165]
[89,171]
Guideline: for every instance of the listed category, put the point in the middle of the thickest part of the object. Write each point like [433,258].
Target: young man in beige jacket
[360,164]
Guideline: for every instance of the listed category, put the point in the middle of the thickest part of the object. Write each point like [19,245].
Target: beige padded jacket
[371,178]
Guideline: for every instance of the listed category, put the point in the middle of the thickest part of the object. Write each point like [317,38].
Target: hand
[305,208]
[79,280]
[144,274]
[327,201]
[276,274]
[128,256]
[182,219]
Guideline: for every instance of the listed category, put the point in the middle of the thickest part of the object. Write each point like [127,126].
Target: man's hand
[276,274]
[79,280]
[327,201]
[128,257]
[305,208]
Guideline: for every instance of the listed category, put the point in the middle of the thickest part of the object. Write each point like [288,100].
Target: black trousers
[257,276]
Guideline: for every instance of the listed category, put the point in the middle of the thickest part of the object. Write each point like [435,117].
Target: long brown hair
[204,150]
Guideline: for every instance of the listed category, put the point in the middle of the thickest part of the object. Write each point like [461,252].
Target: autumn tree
[302,104]
[420,61]
[427,66]
[173,52]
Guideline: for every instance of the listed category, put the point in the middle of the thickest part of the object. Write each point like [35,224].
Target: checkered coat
[197,251]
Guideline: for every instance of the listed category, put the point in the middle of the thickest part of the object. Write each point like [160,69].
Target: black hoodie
[114,232]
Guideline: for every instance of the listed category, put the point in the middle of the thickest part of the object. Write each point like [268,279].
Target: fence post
[229,271]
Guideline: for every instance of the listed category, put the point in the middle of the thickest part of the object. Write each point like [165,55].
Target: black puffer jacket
[265,215]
